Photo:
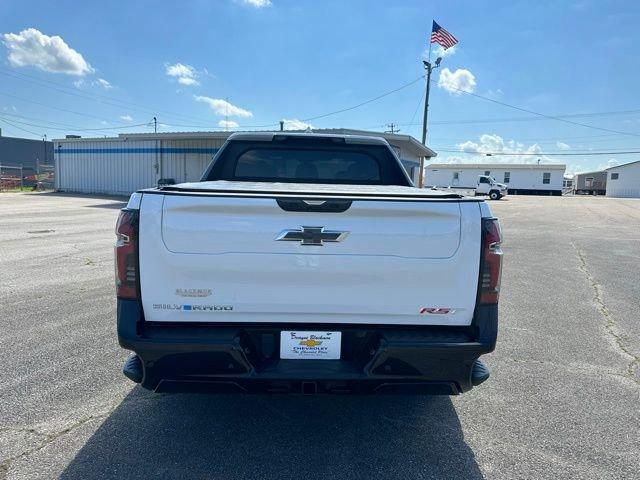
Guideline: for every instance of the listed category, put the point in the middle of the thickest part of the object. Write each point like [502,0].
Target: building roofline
[534,166]
[591,173]
[420,149]
[20,139]
[415,146]
[623,165]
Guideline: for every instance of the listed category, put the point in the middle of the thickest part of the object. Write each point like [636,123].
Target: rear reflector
[126,251]
[491,261]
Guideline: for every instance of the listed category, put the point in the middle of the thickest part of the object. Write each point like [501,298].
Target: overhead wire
[41,135]
[533,154]
[550,117]
[97,97]
[72,127]
[353,107]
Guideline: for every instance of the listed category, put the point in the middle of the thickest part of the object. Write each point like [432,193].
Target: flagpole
[427,66]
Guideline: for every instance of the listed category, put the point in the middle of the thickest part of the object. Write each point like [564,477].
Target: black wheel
[493,195]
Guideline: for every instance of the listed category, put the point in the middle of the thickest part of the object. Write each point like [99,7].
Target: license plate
[310,345]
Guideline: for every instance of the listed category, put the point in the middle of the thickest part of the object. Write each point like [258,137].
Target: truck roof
[270,136]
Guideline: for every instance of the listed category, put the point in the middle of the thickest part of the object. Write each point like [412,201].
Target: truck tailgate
[213,258]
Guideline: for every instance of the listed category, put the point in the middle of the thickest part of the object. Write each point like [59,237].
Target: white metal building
[121,165]
[520,178]
[624,180]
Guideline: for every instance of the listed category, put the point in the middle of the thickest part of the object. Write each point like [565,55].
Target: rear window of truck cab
[300,163]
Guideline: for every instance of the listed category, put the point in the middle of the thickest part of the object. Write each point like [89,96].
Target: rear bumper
[245,357]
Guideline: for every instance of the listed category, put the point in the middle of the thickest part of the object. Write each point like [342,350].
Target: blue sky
[68,67]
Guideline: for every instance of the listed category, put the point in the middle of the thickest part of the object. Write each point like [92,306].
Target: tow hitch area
[479,373]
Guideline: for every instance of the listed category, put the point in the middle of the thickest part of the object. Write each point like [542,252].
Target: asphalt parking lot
[562,402]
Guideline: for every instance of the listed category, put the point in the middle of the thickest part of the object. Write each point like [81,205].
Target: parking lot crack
[47,438]
[610,325]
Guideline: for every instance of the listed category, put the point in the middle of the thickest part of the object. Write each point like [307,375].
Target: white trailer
[535,179]
[624,180]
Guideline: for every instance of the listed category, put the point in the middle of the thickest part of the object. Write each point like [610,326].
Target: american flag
[440,36]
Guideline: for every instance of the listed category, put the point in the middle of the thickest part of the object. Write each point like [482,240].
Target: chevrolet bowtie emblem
[310,342]
[315,236]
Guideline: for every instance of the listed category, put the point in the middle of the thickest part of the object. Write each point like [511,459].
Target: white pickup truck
[310,264]
[486,185]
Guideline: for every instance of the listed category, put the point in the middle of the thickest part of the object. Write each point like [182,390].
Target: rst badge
[436,310]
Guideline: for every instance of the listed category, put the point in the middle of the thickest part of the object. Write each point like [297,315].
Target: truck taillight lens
[491,261]
[127,254]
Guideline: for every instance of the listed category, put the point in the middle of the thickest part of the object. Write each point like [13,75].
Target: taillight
[127,254]
[491,261]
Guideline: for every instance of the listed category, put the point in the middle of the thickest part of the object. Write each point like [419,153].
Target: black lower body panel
[246,357]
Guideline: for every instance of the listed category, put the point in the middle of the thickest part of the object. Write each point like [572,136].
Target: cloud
[33,48]
[104,84]
[228,124]
[295,124]
[497,93]
[186,74]
[82,83]
[222,107]
[126,118]
[462,80]
[439,51]
[563,146]
[257,3]
[188,81]
[510,151]
[612,162]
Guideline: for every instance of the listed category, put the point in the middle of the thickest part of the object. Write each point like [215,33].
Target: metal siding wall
[112,173]
[198,162]
[172,163]
[628,183]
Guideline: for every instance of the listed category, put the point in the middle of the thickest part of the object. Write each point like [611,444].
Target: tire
[494,195]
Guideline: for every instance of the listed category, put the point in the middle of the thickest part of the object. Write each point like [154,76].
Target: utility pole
[44,144]
[155,125]
[392,128]
[429,68]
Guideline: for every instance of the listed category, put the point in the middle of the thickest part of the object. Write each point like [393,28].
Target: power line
[342,110]
[422,94]
[20,128]
[527,119]
[550,117]
[533,154]
[89,96]
[98,97]
[53,108]
[70,127]
[213,127]
[82,129]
